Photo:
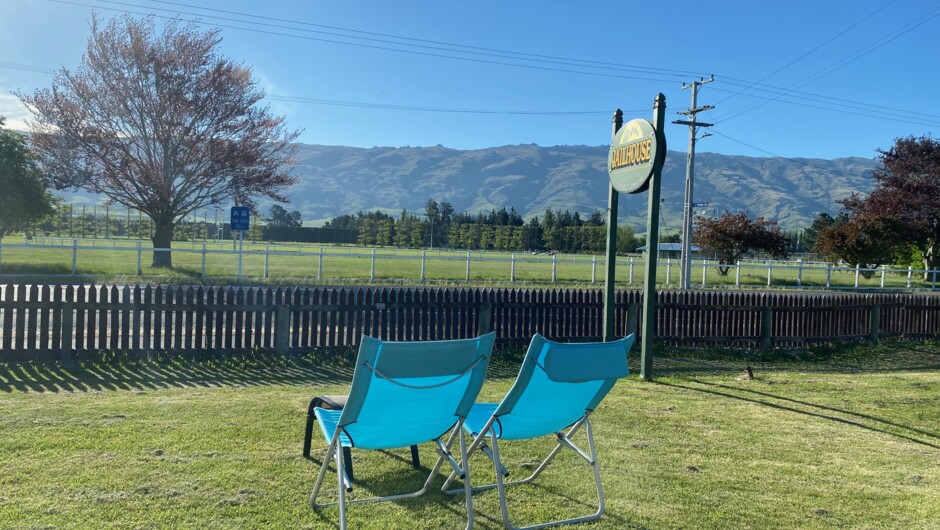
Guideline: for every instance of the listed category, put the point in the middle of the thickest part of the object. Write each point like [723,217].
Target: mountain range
[334,180]
[530,178]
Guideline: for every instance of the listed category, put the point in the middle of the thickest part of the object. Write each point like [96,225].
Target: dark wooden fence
[67,322]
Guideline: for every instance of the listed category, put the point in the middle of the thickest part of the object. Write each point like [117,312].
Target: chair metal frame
[336,452]
[487,442]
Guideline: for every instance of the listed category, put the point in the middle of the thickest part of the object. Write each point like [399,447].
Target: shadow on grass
[107,373]
[847,358]
[407,479]
[118,371]
[817,411]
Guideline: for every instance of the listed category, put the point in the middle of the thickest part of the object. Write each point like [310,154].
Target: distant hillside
[336,180]
[531,178]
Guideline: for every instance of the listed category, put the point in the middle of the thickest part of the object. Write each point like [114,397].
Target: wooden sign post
[635,162]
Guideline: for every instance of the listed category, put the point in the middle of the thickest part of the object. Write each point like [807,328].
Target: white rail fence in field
[500,267]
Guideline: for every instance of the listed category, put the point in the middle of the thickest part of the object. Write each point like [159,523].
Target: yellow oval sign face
[632,156]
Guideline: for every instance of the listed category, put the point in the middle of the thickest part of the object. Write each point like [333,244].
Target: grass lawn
[841,438]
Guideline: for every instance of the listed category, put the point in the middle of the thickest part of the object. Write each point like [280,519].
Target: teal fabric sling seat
[558,387]
[403,394]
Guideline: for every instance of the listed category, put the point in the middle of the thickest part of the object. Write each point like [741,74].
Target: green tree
[731,236]
[811,234]
[157,120]
[24,198]
[532,235]
[281,218]
[344,222]
[627,241]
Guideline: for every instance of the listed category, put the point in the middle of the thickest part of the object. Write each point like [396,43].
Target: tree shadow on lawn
[854,419]
[847,358]
[889,356]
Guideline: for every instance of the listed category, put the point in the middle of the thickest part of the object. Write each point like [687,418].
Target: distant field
[110,260]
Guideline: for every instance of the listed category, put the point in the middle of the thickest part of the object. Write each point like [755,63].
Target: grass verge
[842,437]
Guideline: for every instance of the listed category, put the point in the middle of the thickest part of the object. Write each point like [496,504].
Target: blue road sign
[241,217]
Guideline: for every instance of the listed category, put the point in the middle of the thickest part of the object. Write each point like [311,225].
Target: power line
[472,55]
[778,70]
[588,64]
[795,161]
[371,105]
[27,68]
[930,15]
[893,118]
[360,104]
[752,85]
[797,94]
[328,102]
[568,60]
[441,43]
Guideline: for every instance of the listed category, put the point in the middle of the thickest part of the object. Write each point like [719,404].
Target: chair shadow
[165,372]
[726,393]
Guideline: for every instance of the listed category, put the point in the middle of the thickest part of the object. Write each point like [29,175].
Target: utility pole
[685,268]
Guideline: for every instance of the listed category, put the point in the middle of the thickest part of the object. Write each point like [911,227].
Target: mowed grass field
[840,438]
[116,260]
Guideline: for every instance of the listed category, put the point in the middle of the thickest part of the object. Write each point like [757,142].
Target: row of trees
[81,222]
[502,229]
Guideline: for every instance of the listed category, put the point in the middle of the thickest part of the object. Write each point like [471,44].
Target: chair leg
[308,433]
[347,460]
[591,459]
[342,489]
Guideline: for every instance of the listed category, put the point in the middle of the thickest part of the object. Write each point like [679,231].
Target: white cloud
[14,111]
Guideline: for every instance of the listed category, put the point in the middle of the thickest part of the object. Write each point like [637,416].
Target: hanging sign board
[634,156]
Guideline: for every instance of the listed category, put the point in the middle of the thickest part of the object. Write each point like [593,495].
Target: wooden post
[633,314]
[485,318]
[766,325]
[874,323]
[65,349]
[610,265]
[652,246]
[281,329]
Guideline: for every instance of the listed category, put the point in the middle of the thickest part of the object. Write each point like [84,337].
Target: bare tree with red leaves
[158,121]
[731,236]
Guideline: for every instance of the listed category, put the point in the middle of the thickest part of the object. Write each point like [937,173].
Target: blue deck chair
[557,388]
[402,394]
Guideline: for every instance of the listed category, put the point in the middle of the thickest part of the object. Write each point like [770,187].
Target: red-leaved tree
[731,236]
[158,121]
[904,206]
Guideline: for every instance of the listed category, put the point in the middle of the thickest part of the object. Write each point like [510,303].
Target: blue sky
[864,72]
